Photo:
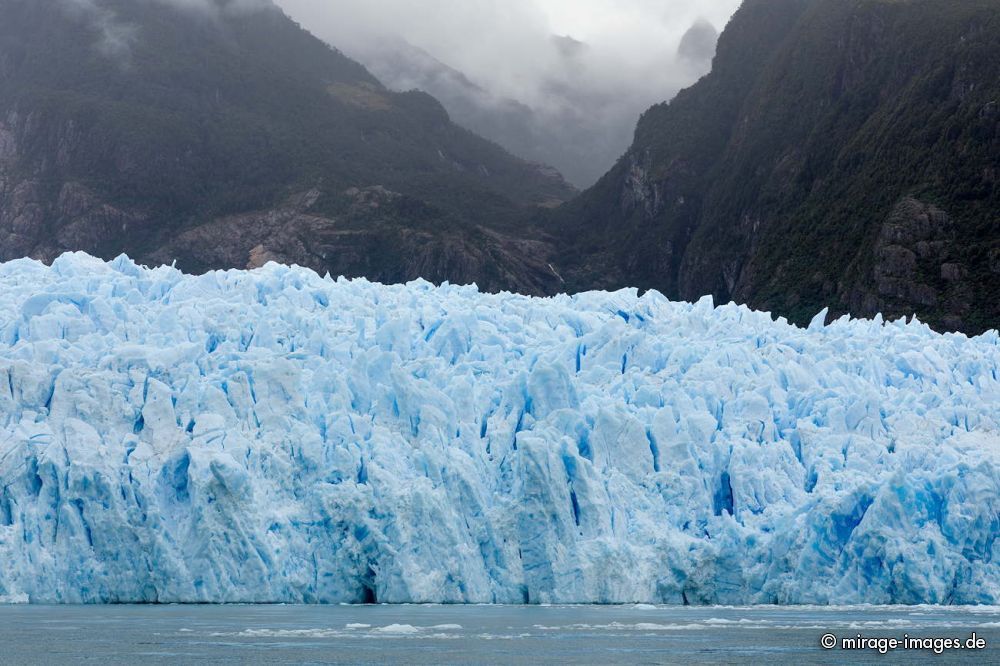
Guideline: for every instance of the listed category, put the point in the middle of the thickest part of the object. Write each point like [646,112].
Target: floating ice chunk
[398,629]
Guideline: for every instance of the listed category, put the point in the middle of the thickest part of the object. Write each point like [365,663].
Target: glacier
[276,436]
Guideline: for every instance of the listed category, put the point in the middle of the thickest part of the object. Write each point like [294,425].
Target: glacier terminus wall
[274,436]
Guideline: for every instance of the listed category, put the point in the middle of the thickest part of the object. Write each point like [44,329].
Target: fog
[116,36]
[561,82]
[558,81]
[507,45]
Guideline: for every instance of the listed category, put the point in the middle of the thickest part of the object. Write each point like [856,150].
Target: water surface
[479,634]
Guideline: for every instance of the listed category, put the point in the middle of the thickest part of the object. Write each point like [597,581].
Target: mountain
[841,153]
[220,134]
[579,122]
[580,132]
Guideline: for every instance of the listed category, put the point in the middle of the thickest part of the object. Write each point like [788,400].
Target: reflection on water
[481,634]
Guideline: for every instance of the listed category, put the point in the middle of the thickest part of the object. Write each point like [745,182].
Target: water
[479,634]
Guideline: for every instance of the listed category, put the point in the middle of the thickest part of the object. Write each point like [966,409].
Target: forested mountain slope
[841,152]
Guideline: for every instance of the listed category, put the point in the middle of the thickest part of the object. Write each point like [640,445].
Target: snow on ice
[274,436]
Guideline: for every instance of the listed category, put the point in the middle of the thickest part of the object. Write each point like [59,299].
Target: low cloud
[587,65]
[507,45]
[698,43]
[116,35]
[557,81]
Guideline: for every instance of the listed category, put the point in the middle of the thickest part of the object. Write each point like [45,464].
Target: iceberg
[275,436]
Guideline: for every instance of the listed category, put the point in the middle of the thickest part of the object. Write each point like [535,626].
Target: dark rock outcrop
[841,153]
[218,136]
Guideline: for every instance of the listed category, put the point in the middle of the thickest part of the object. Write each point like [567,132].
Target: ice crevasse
[275,436]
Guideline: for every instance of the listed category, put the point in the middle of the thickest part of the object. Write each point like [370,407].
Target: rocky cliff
[841,152]
[221,133]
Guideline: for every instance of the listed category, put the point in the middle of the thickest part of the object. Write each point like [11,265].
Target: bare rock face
[913,265]
[245,240]
[165,155]
[840,155]
[90,223]
[365,239]
[8,144]
[31,224]
[25,206]
[640,191]
[995,260]
[953,272]
[914,234]
[8,155]
[21,200]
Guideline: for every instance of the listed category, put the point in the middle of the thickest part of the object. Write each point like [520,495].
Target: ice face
[275,436]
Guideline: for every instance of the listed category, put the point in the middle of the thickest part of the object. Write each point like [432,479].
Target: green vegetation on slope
[200,115]
[803,170]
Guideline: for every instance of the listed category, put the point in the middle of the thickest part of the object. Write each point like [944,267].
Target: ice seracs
[276,436]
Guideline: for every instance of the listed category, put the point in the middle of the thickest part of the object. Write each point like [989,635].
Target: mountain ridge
[199,117]
[840,154]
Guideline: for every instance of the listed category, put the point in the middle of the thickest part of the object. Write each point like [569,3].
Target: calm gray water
[480,634]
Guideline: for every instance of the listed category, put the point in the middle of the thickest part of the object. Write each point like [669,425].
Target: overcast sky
[507,45]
